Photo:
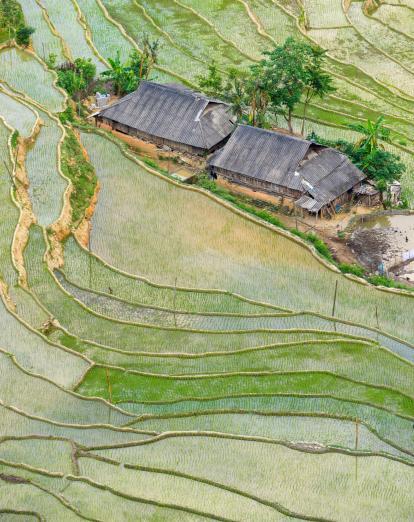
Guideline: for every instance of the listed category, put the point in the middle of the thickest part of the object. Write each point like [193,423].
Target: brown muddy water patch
[385,243]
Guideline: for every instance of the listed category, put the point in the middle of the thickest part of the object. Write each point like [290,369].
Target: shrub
[379,280]
[14,139]
[23,35]
[354,269]
[67,115]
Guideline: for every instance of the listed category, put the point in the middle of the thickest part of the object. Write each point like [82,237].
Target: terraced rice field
[188,366]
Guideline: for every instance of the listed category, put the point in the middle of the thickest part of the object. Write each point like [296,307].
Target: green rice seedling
[397,17]
[273,21]
[9,215]
[334,486]
[394,44]
[84,268]
[171,58]
[65,21]
[323,14]
[17,115]
[53,455]
[17,423]
[44,41]
[118,309]
[202,42]
[35,354]
[43,398]
[106,36]
[351,359]
[47,185]
[109,356]
[120,387]
[107,504]
[265,265]
[34,502]
[291,430]
[347,45]
[392,429]
[89,326]
[242,32]
[25,74]
[192,495]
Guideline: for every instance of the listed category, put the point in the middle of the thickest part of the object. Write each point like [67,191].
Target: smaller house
[171,115]
[315,178]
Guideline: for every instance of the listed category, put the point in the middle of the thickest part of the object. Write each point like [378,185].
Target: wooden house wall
[153,139]
[256,184]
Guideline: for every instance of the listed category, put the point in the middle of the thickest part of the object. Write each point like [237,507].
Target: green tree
[148,58]
[11,18]
[125,77]
[318,83]
[258,100]
[373,133]
[75,77]
[121,75]
[212,83]
[290,72]
[380,166]
[231,87]
[23,35]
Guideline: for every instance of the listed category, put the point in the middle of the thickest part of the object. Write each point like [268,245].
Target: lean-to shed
[171,115]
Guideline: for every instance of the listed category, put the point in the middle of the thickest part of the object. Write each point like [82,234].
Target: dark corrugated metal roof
[175,113]
[309,204]
[287,161]
[261,154]
[329,175]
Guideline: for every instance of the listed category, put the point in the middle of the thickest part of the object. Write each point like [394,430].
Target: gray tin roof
[323,174]
[175,113]
[328,175]
[261,154]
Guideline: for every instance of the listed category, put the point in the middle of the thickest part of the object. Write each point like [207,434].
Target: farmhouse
[316,178]
[171,115]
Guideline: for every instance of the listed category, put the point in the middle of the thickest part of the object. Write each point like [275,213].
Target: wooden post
[90,255]
[9,172]
[356,446]
[334,302]
[175,294]
[108,383]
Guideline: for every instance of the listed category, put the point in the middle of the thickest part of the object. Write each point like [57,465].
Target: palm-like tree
[373,133]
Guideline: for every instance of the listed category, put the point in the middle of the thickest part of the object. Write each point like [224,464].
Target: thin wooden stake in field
[90,255]
[376,316]
[175,294]
[356,446]
[334,301]
[108,382]
[8,171]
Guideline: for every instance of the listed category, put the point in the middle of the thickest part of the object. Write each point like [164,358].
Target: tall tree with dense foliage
[291,72]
